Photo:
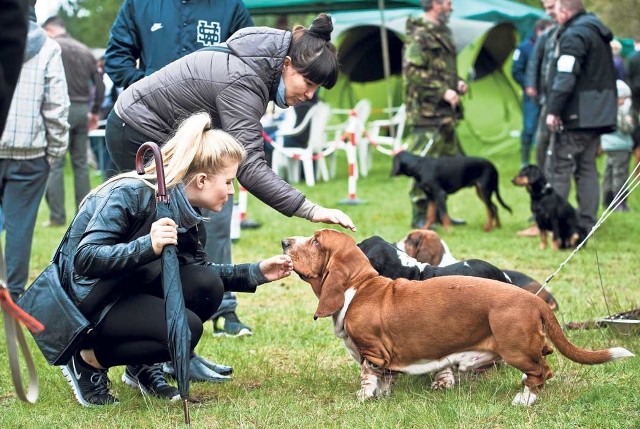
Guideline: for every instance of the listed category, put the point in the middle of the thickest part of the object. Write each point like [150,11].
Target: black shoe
[90,385]
[250,224]
[232,326]
[457,222]
[418,223]
[198,372]
[150,380]
[217,367]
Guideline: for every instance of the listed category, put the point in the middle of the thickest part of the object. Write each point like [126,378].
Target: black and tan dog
[439,177]
[389,261]
[425,246]
[552,213]
[432,326]
[406,259]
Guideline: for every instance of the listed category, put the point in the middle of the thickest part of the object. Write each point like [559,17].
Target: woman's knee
[196,328]
[202,288]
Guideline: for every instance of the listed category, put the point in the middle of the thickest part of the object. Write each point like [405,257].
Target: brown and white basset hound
[432,326]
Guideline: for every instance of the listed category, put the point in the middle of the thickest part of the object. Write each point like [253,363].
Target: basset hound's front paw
[443,380]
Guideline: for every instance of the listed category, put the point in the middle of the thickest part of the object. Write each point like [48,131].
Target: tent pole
[384,38]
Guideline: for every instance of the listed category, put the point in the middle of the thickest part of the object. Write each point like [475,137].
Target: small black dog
[551,211]
[438,177]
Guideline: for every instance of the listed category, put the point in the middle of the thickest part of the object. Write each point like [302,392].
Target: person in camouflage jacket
[432,90]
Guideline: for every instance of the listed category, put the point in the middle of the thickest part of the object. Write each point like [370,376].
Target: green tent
[485,31]
[492,105]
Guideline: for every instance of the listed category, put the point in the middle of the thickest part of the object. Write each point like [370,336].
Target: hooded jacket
[583,81]
[37,123]
[109,240]
[234,89]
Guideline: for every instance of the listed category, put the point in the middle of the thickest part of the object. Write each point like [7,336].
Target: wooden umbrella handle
[157,156]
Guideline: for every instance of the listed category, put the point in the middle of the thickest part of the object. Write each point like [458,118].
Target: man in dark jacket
[146,36]
[632,73]
[582,104]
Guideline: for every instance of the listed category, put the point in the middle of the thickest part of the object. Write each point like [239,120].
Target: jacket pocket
[597,109]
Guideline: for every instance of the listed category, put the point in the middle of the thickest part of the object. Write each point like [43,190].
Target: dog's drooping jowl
[432,326]
[439,177]
[552,213]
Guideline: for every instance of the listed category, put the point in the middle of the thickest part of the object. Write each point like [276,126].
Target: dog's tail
[571,351]
[502,203]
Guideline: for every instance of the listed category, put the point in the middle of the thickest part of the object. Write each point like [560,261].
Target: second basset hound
[433,326]
[389,261]
[426,246]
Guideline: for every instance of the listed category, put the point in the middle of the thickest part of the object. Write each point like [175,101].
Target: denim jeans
[22,186]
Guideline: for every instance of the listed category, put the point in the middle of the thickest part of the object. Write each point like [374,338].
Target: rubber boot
[418,214]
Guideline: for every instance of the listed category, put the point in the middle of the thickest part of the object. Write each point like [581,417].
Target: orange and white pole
[352,159]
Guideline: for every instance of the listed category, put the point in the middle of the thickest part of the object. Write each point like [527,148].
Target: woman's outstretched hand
[333,216]
[163,232]
[276,267]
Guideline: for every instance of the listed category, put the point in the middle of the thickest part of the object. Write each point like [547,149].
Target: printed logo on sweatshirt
[156,26]
[208,33]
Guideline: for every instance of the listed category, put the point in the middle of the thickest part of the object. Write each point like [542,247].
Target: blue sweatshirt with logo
[149,34]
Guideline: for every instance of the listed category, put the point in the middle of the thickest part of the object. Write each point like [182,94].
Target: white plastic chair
[317,148]
[389,141]
[355,124]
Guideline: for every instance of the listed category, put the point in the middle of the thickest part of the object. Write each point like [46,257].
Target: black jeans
[123,142]
[134,331]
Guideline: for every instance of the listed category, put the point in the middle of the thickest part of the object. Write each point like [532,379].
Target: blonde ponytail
[194,148]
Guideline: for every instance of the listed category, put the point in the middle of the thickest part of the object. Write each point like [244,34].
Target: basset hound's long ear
[338,273]
[334,284]
[430,250]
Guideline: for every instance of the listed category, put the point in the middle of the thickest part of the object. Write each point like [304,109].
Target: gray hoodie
[35,40]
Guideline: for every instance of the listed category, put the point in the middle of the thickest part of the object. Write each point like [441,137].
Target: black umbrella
[178,333]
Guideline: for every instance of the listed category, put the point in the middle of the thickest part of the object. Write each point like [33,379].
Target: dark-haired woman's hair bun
[321,27]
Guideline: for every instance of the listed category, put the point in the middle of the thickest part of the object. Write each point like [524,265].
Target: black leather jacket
[110,239]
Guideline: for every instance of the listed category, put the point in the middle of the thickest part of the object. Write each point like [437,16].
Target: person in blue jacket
[530,107]
[146,36]
[149,34]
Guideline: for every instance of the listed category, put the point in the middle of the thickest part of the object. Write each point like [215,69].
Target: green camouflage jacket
[429,68]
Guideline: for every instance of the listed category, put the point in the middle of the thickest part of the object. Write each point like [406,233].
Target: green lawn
[293,372]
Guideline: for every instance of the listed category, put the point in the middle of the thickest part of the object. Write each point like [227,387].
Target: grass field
[293,372]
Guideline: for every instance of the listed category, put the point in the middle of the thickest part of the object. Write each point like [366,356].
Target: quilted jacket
[234,89]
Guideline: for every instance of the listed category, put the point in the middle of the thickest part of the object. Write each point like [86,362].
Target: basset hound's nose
[286,243]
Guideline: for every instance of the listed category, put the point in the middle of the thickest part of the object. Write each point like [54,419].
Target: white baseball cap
[623,89]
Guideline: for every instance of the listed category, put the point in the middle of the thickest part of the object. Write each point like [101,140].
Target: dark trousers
[123,142]
[134,331]
[78,146]
[574,155]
